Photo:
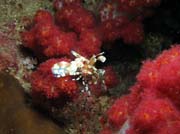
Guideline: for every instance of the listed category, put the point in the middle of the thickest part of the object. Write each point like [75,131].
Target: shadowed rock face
[15,116]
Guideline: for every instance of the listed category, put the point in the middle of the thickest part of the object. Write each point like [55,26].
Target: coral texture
[71,28]
[74,28]
[162,74]
[152,107]
[75,17]
[43,82]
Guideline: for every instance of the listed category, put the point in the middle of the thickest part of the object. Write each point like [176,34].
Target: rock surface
[16,117]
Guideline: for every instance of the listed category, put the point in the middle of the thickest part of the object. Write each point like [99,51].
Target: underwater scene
[90,67]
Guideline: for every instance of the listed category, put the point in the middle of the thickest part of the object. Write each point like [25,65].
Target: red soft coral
[148,75]
[152,113]
[97,89]
[150,72]
[43,32]
[150,105]
[28,38]
[49,40]
[110,77]
[169,81]
[45,83]
[133,33]
[43,16]
[60,44]
[111,28]
[75,17]
[172,128]
[135,97]
[89,43]
[162,74]
[124,107]
[168,55]
[118,112]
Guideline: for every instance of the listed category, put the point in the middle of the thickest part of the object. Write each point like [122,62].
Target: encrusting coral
[152,107]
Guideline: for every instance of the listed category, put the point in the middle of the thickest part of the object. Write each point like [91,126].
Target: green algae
[15,10]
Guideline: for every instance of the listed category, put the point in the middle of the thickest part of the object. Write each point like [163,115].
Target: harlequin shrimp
[81,68]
